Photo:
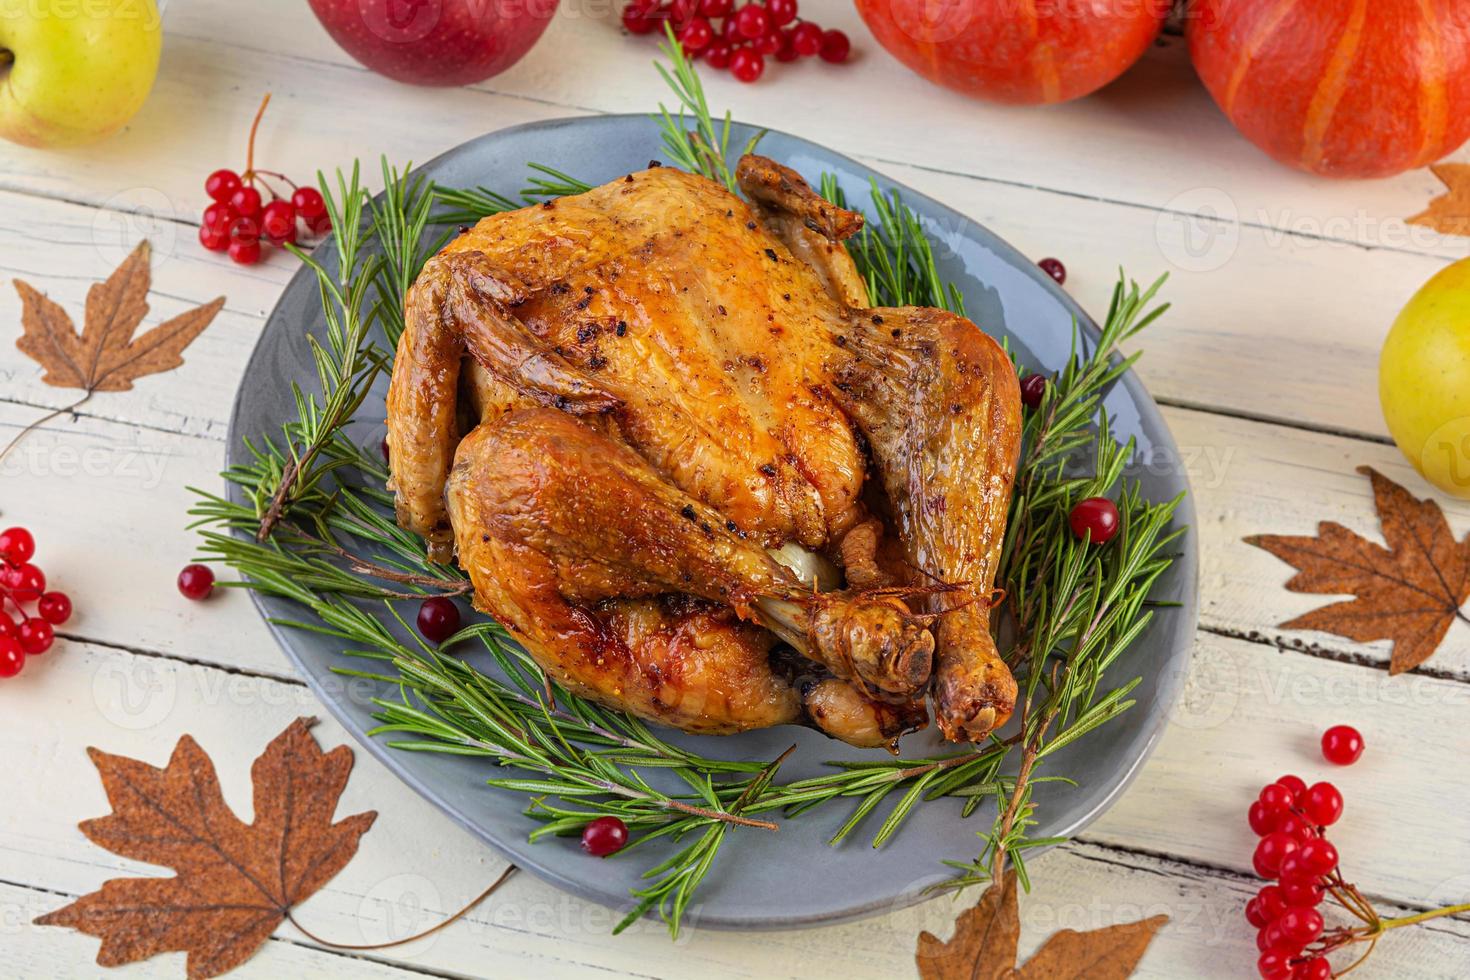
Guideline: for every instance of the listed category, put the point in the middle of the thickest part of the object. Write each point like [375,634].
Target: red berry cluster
[240,219]
[738,38]
[1291,820]
[21,584]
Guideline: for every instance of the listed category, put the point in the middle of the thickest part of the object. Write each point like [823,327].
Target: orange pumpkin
[1344,88]
[1022,51]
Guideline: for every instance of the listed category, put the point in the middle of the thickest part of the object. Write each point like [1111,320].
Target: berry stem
[1347,896]
[1409,920]
[1372,943]
[262,174]
[249,175]
[494,886]
[272,173]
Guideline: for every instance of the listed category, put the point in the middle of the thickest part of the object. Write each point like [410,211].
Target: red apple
[435,42]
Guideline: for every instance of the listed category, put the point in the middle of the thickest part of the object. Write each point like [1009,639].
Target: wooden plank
[416,866]
[1251,713]
[1154,139]
[63,249]
[108,505]
[1251,478]
[33,951]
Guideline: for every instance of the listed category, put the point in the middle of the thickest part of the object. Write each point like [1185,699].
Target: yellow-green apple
[74,71]
[435,42]
[1424,380]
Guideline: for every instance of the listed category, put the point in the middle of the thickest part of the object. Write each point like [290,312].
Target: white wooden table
[1283,288]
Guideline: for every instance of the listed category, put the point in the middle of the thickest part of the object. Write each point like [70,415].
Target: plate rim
[396,762]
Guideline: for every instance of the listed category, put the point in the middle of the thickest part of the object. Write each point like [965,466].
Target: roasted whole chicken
[696,476]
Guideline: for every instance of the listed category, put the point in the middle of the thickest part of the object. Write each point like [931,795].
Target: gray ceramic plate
[791,878]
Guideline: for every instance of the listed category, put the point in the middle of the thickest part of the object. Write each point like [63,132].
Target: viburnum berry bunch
[738,38]
[241,220]
[1291,820]
[22,585]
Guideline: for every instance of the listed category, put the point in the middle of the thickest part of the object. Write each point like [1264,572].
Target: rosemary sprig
[705,149]
[400,218]
[347,364]
[337,554]
[1074,608]
[894,254]
[465,206]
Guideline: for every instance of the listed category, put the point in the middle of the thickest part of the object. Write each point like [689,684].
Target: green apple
[73,71]
[1424,380]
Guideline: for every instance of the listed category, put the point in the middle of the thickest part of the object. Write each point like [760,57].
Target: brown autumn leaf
[985,936]
[984,943]
[1449,213]
[1410,592]
[106,356]
[235,882]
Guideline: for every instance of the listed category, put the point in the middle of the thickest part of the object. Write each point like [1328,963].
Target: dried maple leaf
[106,356]
[1449,213]
[1410,592]
[985,936]
[236,882]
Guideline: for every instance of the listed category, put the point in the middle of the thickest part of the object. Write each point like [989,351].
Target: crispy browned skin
[940,404]
[669,382]
[537,488]
[663,297]
[576,547]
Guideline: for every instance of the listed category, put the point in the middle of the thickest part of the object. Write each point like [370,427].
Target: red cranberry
[806,38]
[604,836]
[196,582]
[222,185]
[696,35]
[1095,517]
[717,55]
[54,608]
[783,12]
[1322,804]
[438,619]
[747,65]
[752,21]
[17,546]
[1055,269]
[1033,389]
[25,582]
[1342,745]
[12,657]
[36,636]
[835,47]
